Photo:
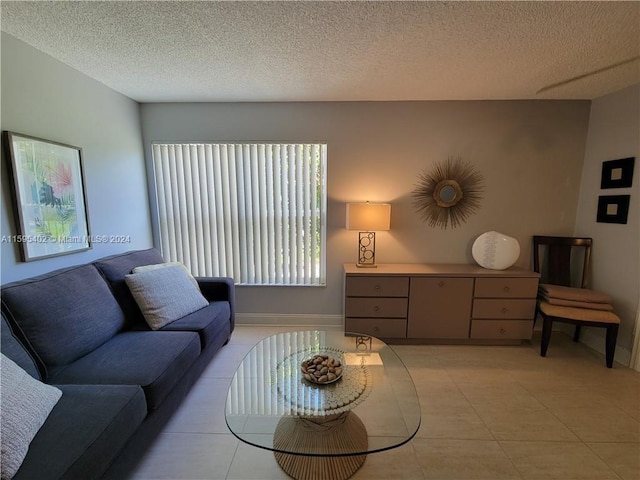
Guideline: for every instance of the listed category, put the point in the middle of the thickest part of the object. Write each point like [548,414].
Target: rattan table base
[332,435]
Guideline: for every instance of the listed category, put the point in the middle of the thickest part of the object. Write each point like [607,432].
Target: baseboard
[289,319]
[596,342]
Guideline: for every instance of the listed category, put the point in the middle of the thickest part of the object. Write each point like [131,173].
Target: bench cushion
[84,432]
[154,360]
[582,314]
[573,293]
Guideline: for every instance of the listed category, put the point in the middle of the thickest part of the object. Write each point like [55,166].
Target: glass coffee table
[322,431]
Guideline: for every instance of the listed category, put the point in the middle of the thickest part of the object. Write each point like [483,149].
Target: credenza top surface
[437,269]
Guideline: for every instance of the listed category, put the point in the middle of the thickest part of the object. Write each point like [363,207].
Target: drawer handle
[502,331]
[376,308]
[505,310]
[376,329]
[377,288]
[506,289]
[441,284]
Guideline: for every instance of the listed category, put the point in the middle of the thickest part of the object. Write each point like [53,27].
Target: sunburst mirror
[448,194]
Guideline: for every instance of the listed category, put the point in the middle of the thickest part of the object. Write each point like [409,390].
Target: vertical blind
[254,212]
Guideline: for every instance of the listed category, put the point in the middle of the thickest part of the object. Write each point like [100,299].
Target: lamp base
[367,250]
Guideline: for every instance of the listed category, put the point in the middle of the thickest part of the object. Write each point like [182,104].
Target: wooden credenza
[455,303]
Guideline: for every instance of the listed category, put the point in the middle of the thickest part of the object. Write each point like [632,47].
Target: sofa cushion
[115,267]
[13,349]
[84,432]
[63,315]
[26,404]
[154,360]
[210,323]
[165,294]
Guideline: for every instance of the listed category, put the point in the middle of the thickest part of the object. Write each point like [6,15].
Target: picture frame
[613,208]
[617,173]
[48,191]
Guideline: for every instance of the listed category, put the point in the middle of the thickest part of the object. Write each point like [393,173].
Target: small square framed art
[613,208]
[617,173]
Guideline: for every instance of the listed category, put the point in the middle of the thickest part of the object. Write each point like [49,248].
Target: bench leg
[610,346]
[576,333]
[547,326]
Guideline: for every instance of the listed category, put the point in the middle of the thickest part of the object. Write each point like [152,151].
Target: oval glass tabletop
[373,406]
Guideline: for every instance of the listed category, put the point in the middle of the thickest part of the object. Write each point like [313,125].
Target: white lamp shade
[495,250]
[368,216]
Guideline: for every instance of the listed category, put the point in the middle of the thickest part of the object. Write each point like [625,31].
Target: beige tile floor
[487,413]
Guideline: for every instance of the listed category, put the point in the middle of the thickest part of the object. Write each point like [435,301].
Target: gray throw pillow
[165,294]
[155,266]
[26,404]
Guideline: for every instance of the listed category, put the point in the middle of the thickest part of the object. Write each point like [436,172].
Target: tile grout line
[603,460]
[520,473]
[233,457]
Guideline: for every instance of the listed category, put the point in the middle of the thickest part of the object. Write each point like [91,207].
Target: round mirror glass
[447,193]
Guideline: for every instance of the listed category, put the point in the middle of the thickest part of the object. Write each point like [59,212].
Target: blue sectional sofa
[81,330]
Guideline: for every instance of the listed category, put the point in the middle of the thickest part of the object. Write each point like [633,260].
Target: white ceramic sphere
[495,250]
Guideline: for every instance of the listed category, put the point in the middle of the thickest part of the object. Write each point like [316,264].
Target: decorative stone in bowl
[321,369]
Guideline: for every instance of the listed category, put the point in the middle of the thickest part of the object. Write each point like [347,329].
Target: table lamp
[368,217]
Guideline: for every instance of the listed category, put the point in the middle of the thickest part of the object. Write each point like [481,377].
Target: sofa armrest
[219,289]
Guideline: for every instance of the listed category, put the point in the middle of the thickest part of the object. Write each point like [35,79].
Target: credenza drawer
[506,287]
[502,329]
[504,308]
[378,327]
[377,287]
[376,307]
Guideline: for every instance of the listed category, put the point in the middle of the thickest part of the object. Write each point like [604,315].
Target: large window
[254,212]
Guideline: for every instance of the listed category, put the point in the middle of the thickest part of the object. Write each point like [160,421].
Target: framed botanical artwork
[49,197]
[617,173]
[613,208]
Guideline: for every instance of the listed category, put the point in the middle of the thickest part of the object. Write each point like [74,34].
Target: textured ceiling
[321,51]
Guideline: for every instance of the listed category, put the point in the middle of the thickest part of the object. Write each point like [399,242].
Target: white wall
[44,98]
[530,153]
[614,132]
